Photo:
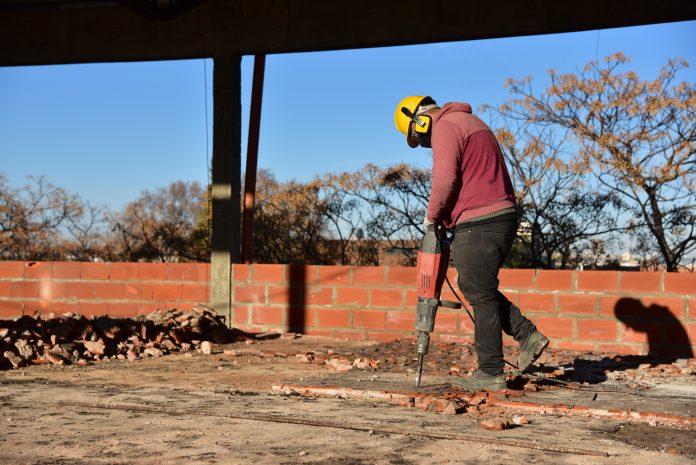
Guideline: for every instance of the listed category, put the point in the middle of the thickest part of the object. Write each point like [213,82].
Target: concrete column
[226,201]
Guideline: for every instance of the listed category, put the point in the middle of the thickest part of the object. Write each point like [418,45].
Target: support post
[226,167]
[252,158]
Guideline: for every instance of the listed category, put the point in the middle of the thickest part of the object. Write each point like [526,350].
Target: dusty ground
[52,415]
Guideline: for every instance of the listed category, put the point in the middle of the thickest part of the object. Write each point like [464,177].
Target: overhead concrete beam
[228,27]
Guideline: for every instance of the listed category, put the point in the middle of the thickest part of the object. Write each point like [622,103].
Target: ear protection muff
[422,122]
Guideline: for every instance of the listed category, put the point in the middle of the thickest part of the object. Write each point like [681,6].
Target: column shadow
[297,283]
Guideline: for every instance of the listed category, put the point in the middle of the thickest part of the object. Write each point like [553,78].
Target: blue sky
[109,131]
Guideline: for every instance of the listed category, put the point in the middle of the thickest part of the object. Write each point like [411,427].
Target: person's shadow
[667,341]
[667,338]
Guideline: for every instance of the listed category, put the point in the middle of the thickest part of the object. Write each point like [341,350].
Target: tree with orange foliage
[564,222]
[637,138]
[158,225]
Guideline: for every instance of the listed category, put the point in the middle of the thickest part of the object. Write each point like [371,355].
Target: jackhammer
[431,269]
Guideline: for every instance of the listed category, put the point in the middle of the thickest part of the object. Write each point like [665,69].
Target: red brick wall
[116,289]
[625,312]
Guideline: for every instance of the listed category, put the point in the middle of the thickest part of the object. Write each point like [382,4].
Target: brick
[240,272]
[249,294]
[92,308]
[110,291]
[123,271]
[292,295]
[65,270]
[555,280]
[267,315]
[446,322]
[137,291]
[537,302]
[352,296]
[692,309]
[517,279]
[38,270]
[401,276]
[304,275]
[608,305]
[466,326]
[555,327]
[152,271]
[680,283]
[571,345]
[598,280]
[241,315]
[186,272]
[670,350]
[26,289]
[268,273]
[412,298]
[300,318]
[642,281]
[350,335]
[368,319]
[512,296]
[630,334]
[597,330]
[398,320]
[451,338]
[319,296]
[11,308]
[382,337]
[79,290]
[691,331]
[63,307]
[12,269]
[319,332]
[386,298]
[581,304]
[92,271]
[5,288]
[328,275]
[624,349]
[333,318]
[662,307]
[123,309]
[195,292]
[368,275]
[166,291]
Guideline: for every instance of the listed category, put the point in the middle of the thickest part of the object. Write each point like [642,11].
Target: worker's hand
[427,223]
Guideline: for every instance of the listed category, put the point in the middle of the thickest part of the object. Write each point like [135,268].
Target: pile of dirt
[71,338]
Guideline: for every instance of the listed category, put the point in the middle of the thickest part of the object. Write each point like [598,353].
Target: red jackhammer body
[431,268]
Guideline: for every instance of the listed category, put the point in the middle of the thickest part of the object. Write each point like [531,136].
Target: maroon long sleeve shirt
[470,179]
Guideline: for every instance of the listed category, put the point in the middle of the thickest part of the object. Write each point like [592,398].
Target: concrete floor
[195,408]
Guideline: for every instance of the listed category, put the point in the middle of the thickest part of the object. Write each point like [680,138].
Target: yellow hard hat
[402,120]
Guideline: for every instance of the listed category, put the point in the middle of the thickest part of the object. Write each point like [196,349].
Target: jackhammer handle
[450,304]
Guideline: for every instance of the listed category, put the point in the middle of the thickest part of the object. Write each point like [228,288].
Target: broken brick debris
[71,338]
[495,424]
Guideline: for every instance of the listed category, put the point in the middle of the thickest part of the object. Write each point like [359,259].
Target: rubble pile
[71,338]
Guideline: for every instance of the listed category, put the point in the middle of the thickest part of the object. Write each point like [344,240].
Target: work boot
[479,381]
[530,349]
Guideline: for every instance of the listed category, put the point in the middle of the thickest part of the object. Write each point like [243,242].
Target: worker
[471,193]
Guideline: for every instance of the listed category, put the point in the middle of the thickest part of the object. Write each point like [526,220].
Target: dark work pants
[478,252]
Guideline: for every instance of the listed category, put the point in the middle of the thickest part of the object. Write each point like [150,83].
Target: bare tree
[638,139]
[563,218]
[159,224]
[31,218]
